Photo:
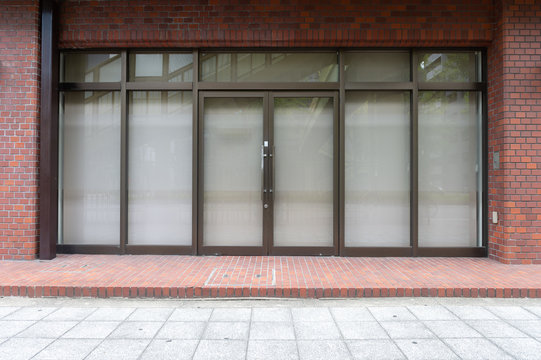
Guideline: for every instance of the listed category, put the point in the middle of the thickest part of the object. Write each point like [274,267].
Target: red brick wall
[19,128]
[253,23]
[515,132]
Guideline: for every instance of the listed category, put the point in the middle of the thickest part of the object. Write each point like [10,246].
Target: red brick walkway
[255,276]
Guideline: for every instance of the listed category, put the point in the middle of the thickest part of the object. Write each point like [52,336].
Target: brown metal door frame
[267,247]
[224,250]
[308,250]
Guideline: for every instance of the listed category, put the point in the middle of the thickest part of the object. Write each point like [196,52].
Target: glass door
[303,140]
[267,173]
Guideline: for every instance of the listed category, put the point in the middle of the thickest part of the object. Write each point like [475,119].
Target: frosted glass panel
[168,67]
[233,135]
[303,139]
[269,67]
[372,66]
[78,67]
[448,168]
[377,169]
[160,168]
[91,168]
[451,67]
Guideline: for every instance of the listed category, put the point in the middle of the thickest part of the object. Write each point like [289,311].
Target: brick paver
[266,276]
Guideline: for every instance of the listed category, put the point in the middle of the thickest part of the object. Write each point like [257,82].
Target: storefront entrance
[267,172]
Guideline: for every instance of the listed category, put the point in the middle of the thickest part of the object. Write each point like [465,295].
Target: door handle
[263,182]
[272,159]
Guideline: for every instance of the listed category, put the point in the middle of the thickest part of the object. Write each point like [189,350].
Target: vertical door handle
[263,182]
[272,159]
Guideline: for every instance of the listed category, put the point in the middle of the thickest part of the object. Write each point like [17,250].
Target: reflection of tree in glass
[454,67]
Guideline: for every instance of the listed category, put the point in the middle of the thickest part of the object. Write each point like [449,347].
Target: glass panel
[303,208]
[371,66]
[91,168]
[449,168]
[449,67]
[78,67]
[161,67]
[269,67]
[160,168]
[377,169]
[233,135]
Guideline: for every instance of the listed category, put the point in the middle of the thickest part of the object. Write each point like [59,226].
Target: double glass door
[268,173]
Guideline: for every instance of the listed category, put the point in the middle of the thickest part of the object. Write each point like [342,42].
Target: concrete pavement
[379,328]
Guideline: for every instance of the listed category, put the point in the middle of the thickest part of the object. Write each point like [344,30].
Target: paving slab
[407,329]
[272,350]
[323,350]
[119,349]
[272,330]
[351,313]
[477,349]
[161,349]
[91,330]
[47,329]
[365,330]
[495,329]
[271,314]
[136,330]
[451,329]
[426,349]
[374,349]
[391,313]
[183,330]
[221,350]
[227,330]
[527,349]
[22,348]
[110,314]
[73,349]
[316,330]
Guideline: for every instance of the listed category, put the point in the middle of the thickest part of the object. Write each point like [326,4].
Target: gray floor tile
[30,313]
[271,314]
[91,330]
[512,313]
[323,330]
[231,314]
[470,312]
[534,310]
[47,329]
[323,350]
[476,349]
[150,314]
[220,349]
[6,310]
[391,313]
[70,313]
[190,330]
[22,348]
[227,330]
[72,349]
[451,329]
[361,330]
[311,314]
[530,327]
[495,328]
[426,349]
[162,349]
[269,330]
[110,314]
[136,330]
[113,349]
[12,328]
[407,330]
[191,314]
[351,314]
[520,348]
[432,312]
[272,350]
[374,349]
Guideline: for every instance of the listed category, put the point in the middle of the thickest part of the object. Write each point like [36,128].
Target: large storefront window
[350,152]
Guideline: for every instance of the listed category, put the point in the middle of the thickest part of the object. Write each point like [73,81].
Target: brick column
[514,117]
[19,128]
